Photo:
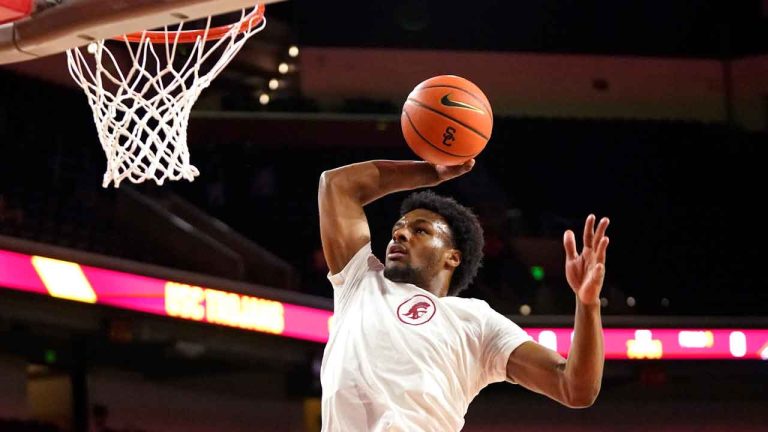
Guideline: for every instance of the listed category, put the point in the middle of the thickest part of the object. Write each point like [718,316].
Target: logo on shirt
[417,310]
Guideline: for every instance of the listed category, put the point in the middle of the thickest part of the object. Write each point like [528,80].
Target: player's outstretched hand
[585,271]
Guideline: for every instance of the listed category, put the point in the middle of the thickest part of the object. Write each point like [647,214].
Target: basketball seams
[472,95]
[413,126]
[427,107]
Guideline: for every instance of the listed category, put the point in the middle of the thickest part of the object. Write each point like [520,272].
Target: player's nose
[400,235]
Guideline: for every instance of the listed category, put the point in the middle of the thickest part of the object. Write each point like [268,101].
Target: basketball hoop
[142,113]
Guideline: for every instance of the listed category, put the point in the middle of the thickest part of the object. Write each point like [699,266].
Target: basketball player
[405,353]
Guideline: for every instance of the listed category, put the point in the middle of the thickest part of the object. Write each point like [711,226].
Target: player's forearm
[369,181]
[584,368]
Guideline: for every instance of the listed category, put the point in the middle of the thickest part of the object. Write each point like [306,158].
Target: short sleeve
[345,281]
[501,336]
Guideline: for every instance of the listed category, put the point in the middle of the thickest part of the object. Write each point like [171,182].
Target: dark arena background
[203,306]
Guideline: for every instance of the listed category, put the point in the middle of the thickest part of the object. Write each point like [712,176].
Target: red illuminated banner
[73,281]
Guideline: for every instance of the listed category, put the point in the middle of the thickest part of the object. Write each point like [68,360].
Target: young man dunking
[405,353]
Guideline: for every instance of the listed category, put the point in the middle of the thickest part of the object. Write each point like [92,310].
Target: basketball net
[142,109]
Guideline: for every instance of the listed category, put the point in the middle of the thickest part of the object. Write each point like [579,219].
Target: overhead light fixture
[525,310]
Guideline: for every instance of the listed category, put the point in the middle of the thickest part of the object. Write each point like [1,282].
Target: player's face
[418,248]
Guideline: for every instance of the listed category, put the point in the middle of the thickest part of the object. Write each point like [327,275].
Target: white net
[142,108]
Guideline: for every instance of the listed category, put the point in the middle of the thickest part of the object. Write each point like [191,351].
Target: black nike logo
[456,104]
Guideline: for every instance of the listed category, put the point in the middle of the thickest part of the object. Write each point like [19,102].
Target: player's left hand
[585,271]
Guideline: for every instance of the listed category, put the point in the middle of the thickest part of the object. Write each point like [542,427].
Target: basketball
[447,120]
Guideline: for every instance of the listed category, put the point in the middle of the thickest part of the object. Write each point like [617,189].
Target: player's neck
[439,285]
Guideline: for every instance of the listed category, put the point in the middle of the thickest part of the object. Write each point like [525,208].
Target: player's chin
[398,271]
[394,264]
[396,260]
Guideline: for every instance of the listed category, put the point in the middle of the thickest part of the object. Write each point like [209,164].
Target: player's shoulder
[361,264]
[374,264]
[469,302]
[469,305]
[368,259]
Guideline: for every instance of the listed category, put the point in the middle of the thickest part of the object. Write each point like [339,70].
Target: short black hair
[466,229]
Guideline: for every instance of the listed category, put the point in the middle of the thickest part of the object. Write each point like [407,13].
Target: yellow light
[264,98]
[274,84]
[261,314]
[293,51]
[246,312]
[64,279]
[643,346]
[221,307]
[184,301]
[696,339]
[283,68]
[224,308]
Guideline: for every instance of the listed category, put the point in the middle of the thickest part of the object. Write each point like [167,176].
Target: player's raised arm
[344,191]
[574,382]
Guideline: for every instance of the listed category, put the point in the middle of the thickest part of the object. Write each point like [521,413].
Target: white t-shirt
[401,359]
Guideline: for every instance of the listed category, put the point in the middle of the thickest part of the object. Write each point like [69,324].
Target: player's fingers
[601,248]
[589,233]
[600,231]
[569,243]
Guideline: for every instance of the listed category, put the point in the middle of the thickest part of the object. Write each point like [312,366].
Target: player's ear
[453,258]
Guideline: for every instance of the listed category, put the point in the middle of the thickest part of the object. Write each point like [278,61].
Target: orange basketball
[447,120]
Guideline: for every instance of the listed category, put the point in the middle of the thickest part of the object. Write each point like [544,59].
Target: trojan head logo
[417,310]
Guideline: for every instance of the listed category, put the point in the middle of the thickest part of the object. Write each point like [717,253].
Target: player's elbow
[581,402]
[337,184]
[333,179]
[582,399]
[328,180]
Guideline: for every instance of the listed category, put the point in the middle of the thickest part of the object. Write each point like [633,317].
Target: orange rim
[251,20]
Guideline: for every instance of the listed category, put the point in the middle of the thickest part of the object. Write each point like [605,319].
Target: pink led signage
[73,281]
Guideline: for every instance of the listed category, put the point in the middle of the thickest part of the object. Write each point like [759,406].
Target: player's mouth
[396,252]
